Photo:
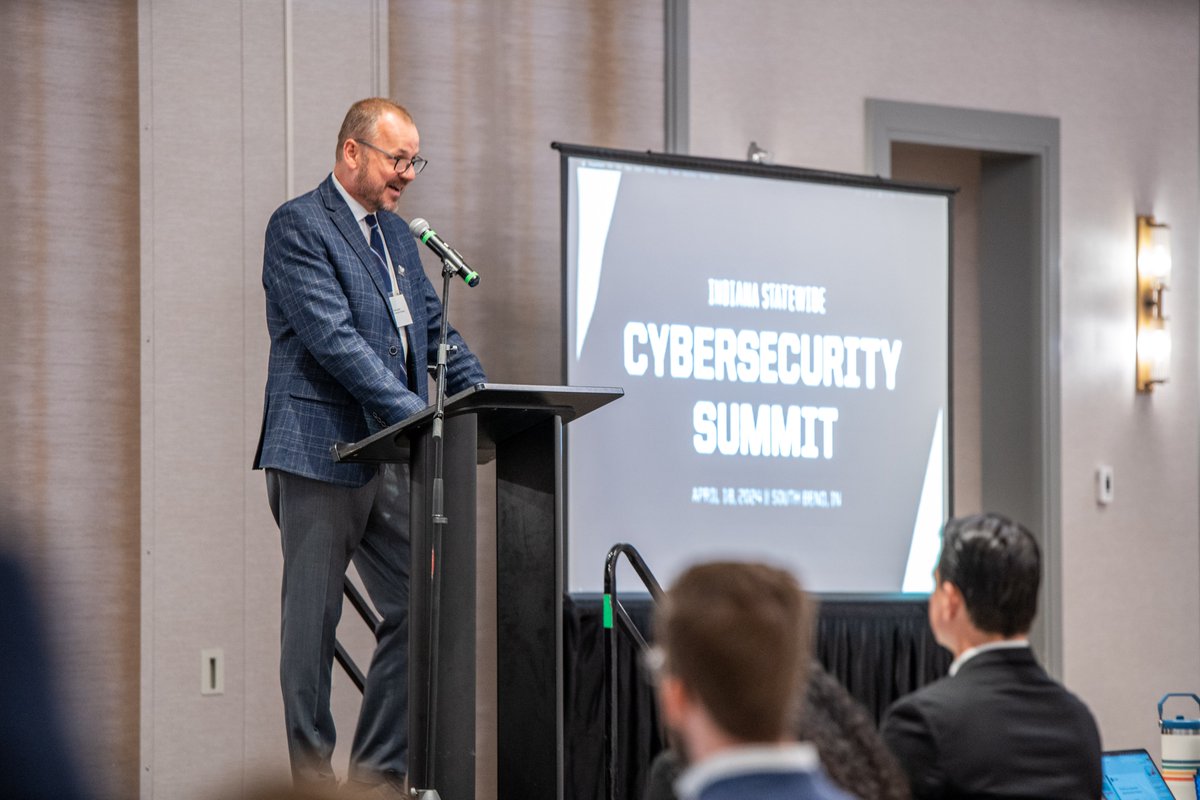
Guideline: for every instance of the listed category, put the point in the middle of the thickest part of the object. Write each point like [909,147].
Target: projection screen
[782,338]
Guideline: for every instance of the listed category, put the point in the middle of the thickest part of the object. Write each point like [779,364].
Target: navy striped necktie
[377,247]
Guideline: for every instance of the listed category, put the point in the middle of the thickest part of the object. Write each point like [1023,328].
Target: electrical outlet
[212,671]
[1104,484]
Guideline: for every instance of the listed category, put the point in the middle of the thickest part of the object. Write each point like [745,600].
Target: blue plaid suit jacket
[337,367]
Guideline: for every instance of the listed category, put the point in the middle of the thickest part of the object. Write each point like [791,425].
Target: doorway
[1004,316]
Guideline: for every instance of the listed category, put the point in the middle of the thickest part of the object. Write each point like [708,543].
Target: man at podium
[353,322]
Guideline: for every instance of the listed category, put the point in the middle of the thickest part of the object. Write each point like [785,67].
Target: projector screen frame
[650,158]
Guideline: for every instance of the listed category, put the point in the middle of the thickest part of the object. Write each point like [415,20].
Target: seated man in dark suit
[735,646]
[998,726]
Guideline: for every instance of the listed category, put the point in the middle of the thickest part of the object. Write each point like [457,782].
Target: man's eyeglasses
[416,162]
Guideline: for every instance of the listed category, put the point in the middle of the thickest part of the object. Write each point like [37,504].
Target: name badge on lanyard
[400,313]
[401,316]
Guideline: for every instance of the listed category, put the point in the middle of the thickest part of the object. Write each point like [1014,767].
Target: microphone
[428,236]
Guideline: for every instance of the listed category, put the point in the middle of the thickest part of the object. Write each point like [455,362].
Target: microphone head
[418,227]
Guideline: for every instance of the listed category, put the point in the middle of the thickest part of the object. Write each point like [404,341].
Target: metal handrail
[616,616]
[352,671]
[373,622]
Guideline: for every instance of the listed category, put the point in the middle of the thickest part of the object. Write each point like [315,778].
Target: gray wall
[145,145]
[1123,79]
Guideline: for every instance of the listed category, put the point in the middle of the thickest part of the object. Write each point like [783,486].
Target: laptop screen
[1131,775]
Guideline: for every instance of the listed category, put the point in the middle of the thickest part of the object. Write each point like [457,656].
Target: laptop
[1132,775]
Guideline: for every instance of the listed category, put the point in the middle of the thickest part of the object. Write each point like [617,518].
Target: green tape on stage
[608,611]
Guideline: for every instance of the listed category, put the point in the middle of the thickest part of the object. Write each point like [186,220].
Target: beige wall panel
[69,366]
[192,324]
[489,92]
[1123,79]
[335,60]
[265,178]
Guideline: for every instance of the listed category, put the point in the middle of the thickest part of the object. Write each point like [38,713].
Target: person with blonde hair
[735,644]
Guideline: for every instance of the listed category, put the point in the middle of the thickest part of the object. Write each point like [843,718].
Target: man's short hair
[361,118]
[997,565]
[738,637]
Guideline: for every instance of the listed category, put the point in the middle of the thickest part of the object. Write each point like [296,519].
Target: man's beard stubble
[363,188]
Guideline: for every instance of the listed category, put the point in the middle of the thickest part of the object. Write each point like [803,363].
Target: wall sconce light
[1153,279]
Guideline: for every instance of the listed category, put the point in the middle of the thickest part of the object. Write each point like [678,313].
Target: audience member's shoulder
[931,711]
[664,769]
[1068,703]
[1080,709]
[827,789]
[943,692]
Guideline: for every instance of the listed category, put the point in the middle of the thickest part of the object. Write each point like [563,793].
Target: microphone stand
[439,520]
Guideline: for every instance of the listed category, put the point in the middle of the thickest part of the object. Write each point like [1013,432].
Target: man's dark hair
[997,565]
[739,637]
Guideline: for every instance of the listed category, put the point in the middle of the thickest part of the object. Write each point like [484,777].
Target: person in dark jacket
[998,726]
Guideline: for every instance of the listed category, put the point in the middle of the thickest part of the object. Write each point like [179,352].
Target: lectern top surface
[504,409]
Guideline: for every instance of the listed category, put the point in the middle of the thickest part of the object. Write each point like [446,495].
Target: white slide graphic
[926,538]
[597,198]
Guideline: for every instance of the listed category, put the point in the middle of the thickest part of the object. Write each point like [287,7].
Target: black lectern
[521,427]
